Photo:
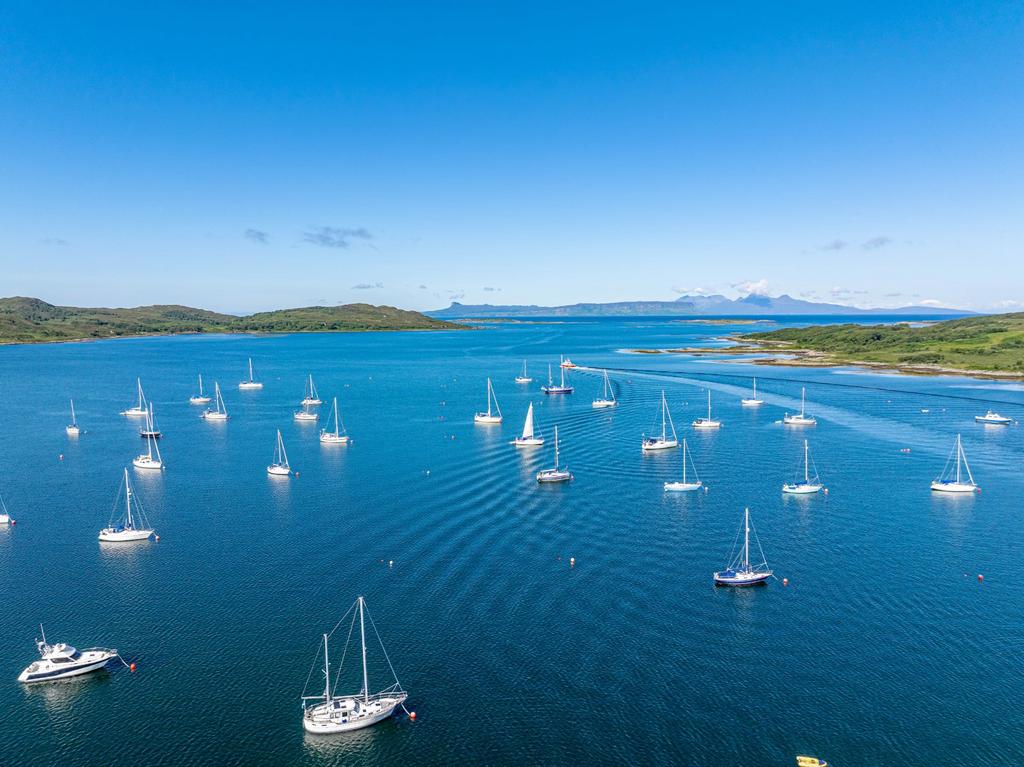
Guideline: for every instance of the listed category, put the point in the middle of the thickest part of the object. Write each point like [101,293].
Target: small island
[31,320]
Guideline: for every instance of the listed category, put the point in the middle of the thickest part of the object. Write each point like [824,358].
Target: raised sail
[528,437]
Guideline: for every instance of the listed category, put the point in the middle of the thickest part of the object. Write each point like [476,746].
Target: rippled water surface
[884,648]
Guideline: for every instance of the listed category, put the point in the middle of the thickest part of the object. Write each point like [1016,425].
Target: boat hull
[135,412]
[682,487]
[993,421]
[552,476]
[659,444]
[601,403]
[215,416]
[523,380]
[306,417]
[199,400]
[704,423]
[953,487]
[279,471]
[741,579]
[320,720]
[528,441]
[801,489]
[557,389]
[799,420]
[309,401]
[331,439]
[145,462]
[73,431]
[250,385]
[108,535]
[484,418]
[751,402]
[29,677]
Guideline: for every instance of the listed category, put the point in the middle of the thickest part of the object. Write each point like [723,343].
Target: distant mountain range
[749,306]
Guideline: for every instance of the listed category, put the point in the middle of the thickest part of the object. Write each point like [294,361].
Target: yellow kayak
[810,761]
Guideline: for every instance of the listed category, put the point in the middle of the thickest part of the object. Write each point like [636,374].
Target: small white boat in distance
[72,428]
[952,478]
[801,418]
[343,713]
[607,398]
[337,437]
[709,422]
[307,414]
[147,460]
[563,388]
[492,415]
[200,398]
[280,467]
[566,362]
[60,661]
[149,428]
[992,417]
[523,378]
[311,397]
[556,474]
[740,571]
[689,483]
[809,484]
[221,412]
[664,442]
[139,409]
[131,526]
[752,401]
[528,438]
[251,382]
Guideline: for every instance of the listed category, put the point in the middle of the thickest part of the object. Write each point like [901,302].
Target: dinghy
[528,438]
[493,415]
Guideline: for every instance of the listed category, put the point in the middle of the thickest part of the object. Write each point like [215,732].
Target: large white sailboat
[250,382]
[528,438]
[73,429]
[60,661]
[339,436]
[801,418]
[131,526]
[307,414]
[952,479]
[221,412]
[311,397]
[752,401]
[149,428]
[148,460]
[664,442]
[329,712]
[139,409]
[280,467]
[607,398]
[552,388]
[493,415]
[709,422]
[740,571]
[808,483]
[556,473]
[524,377]
[200,398]
[691,482]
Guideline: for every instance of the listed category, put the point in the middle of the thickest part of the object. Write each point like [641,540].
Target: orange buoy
[131,667]
[14,521]
[981,577]
[785,581]
[412,715]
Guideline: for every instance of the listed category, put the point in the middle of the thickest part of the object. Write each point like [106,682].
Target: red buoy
[981,577]
[131,667]
[572,561]
[157,537]
[785,581]
[412,715]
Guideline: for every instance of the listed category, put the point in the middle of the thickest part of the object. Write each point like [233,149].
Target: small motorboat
[992,417]
[810,761]
[59,661]
[567,363]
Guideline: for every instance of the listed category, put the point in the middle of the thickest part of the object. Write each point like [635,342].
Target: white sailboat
[952,479]
[73,428]
[307,414]
[689,482]
[132,525]
[221,412]
[139,409]
[528,438]
[563,388]
[341,713]
[149,428]
[992,417]
[492,415]
[801,418]
[339,436]
[752,401]
[607,398]
[251,382]
[557,473]
[809,483]
[740,571]
[148,460]
[709,422]
[280,467]
[311,397]
[200,398]
[664,442]
[5,517]
[523,378]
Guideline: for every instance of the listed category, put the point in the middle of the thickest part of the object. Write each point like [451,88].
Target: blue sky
[251,156]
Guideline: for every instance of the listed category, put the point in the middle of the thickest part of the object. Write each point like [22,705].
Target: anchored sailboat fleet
[131,526]
[139,409]
[493,415]
[250,382]
[607,398]
[563,388]
[341,713]
[752,401]
[528,438]
[59,661]
[809,483]
[952,479]
[524,378]
[72,428]
[220,413]
[200,398]
[688,483]
[801,418]
[740,571]
[709,422]
[280,467]
[556,473]
[663,442]
[339,436]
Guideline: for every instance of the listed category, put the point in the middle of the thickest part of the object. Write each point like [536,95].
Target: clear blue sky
[243,156]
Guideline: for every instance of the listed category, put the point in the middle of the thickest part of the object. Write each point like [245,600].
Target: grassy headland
[991,344]
[30,320]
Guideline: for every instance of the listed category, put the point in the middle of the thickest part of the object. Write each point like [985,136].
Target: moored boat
[740,571]
[664,442]
[60,661]
[131,526]
[952,479]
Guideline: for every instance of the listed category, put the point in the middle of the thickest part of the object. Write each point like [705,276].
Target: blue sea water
[884,648]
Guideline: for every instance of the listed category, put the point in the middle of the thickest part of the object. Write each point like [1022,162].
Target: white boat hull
[523,380]
[550,476]
[135,412]
[325,720]
[215,416]
[993,421]
[332,439]
[199,400]
[307,417]
[250,385]
[682,487]
[279,471]
[741,579]
[705,423]
[751,402]
[953,487]
[659,444]
[484,418]
[600,403]
[528,441]
[309,401]
[801,489]
[799,420]
[73,431]
[109,535]
[145,462]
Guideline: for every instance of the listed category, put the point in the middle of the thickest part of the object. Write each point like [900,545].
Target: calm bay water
[884,649]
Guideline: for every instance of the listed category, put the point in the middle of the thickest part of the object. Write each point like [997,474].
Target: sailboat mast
[803,395]
[684,460]
[746,540]
[128,500]
[327,673]
[138,383]
[200,384]
[664,407]
[755,388]
[807,477]
[709,404]
[362,634]
[556,447]
[959,453]
[250,369]
[73,421]
[335,416]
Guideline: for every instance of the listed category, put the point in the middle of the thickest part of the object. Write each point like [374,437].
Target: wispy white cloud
[875,243]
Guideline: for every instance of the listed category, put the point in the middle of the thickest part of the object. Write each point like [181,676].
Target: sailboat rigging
[607,398]
[528,438]
[691,482]
[664,442]
[339,436]
[808,483]
[493,414]
[280,467]
[952,479]
[132,525]
[740,571]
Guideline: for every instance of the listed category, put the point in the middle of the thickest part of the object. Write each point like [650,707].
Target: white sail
[528,424]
